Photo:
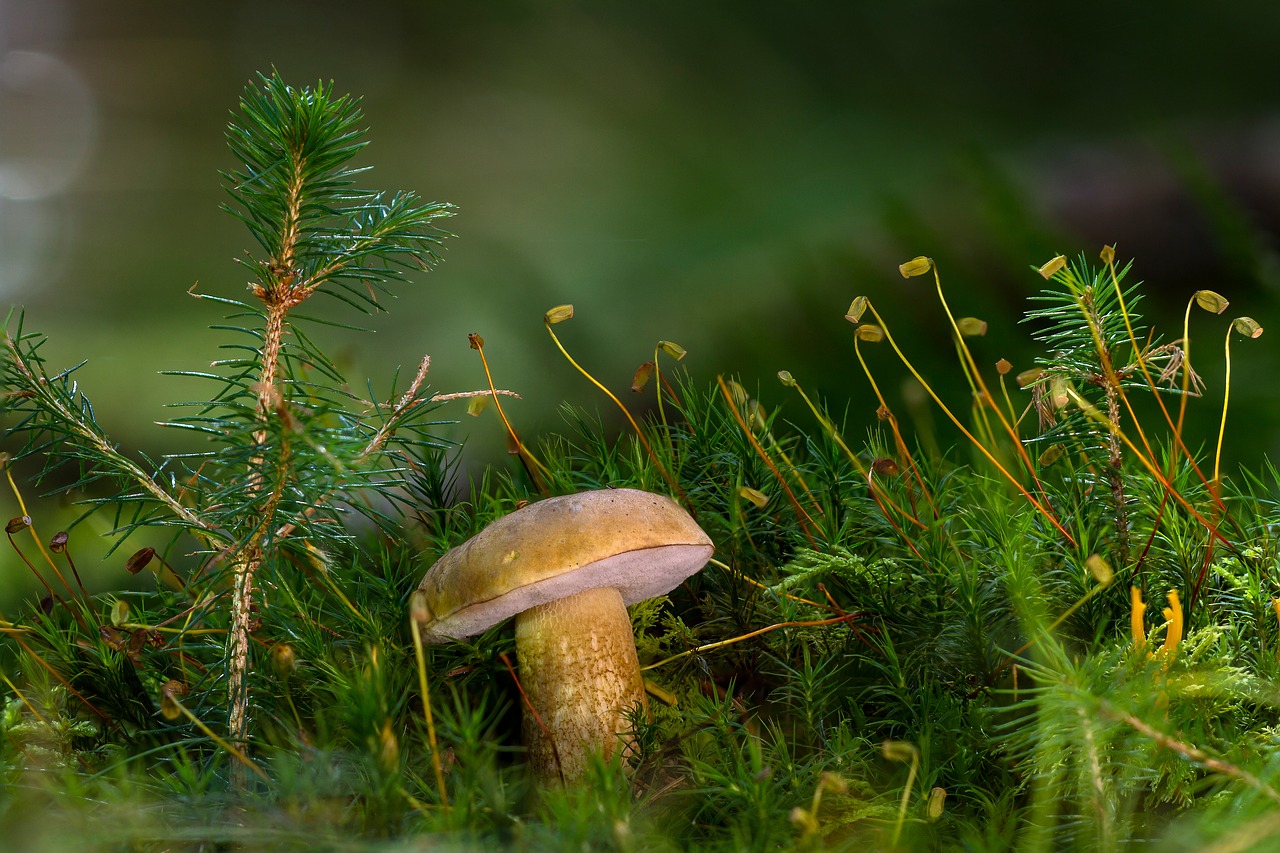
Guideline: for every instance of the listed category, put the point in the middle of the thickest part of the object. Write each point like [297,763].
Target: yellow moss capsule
[1246,326]
[833,782]
[856,309]
[757,497]
[672,349]
[284,659]
[1108,255]
[804,819]
[1051,455]
[1027,377]
[1053,266]
[1059,392]
[898,750]
[971,327]
[119,612]
[1100,569]
[418,610]
[559,314]
[916,266]
[1211,301]
[937,802]
[869,333]
[785,377]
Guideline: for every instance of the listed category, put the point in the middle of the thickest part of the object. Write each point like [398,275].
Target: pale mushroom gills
[566,568]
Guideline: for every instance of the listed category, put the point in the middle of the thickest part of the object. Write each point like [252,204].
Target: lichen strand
[579,669]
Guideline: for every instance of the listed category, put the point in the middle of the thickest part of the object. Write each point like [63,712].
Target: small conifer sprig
[292,450]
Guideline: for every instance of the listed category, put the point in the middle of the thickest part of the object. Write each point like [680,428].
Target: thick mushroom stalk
[579,668]
[568,566]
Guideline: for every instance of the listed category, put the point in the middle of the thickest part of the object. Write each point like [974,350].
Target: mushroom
[566,568]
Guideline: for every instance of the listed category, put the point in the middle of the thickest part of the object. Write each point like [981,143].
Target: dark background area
[725,175]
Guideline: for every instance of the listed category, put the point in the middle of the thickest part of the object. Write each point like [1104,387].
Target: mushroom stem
[579,668]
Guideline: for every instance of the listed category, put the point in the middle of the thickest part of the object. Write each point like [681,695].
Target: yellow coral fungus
[1135,618]
[1173,613]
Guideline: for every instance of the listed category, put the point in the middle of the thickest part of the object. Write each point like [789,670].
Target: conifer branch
[50,407]
[294,193]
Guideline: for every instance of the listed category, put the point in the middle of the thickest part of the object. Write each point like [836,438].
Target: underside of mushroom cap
[640,543]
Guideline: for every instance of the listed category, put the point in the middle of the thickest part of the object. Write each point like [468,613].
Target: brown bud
[140,560]
[475,341]
[58,543]
[113,638]
[170,706]
[885,466]
[1003,367]
[643,374]
[17,524]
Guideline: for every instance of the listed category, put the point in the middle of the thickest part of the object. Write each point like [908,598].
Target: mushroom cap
[640,543]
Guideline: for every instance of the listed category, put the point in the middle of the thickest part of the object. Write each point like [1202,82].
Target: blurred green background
[725,175]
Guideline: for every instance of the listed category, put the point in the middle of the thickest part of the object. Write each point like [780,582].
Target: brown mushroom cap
[637,542]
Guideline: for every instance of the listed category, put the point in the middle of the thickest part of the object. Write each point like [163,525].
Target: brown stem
[1193,754]
[238,644]
[282,292]
[1115,476]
